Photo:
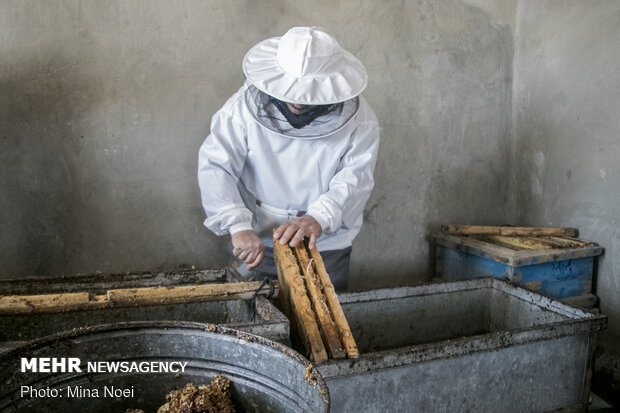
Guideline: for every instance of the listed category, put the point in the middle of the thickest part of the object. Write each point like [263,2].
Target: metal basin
[266,376]
[267,322]
[470,346]
[261,318]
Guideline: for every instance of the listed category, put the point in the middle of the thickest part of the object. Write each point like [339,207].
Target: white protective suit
[252,177]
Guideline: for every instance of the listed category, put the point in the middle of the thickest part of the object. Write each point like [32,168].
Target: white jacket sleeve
[350,187]
[220,161]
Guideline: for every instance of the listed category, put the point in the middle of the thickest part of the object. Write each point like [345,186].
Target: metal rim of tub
[89,332]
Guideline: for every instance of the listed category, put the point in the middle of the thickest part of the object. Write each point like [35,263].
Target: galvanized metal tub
[260,317]
[266,376]
[477,345]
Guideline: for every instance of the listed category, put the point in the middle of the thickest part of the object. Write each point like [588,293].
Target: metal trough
[268,321]
[263,319]
[266,376]
[480,345]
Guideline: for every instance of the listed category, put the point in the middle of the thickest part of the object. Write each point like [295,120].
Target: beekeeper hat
[305,66]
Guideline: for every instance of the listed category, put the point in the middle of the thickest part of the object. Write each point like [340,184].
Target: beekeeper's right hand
[248,248]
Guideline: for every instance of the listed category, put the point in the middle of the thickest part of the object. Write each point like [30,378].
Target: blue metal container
[559,273]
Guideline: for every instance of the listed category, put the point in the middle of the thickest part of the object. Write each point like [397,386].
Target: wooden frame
[310,301]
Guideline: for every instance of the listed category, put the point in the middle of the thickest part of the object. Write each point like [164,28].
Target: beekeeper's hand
[294,231]
[248,248]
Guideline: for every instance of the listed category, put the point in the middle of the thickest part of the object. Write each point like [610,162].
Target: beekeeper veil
[307,67]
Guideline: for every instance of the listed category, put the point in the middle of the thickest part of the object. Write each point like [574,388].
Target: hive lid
[519,251]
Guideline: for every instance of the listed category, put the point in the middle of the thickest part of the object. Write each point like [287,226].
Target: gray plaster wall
[492,112]
[567,134]
[103,106]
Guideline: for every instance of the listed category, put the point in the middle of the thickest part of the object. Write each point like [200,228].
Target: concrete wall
[104,105]
[567,95]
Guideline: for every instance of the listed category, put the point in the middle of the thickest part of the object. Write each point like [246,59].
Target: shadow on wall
[470,195]
[473,194]
[42,134]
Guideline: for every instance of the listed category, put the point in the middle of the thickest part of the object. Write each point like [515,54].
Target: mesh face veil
[324,119]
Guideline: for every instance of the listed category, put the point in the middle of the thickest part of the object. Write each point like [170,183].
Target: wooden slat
[289,310]
[182,294]
[58,303]
[552,242]
[317,299]
[334,305]
[563,242]
[524,243]
[581,242]
[497,230]
[489,240]
[44,303]
[285,288]
[557,242]
[298,300]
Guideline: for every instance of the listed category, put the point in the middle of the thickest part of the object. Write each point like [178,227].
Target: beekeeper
[294,150]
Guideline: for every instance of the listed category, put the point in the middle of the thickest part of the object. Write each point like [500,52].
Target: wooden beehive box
[559,266]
